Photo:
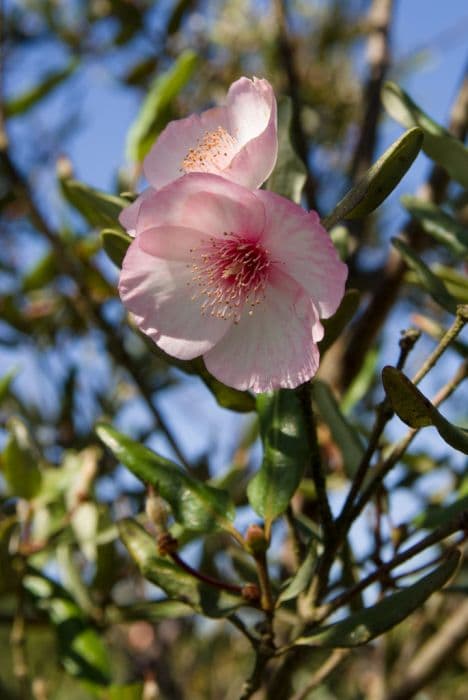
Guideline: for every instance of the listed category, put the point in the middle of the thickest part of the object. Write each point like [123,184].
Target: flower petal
[159,294]
[305,251]
[163,164]
[272,348]
[252,111]
[205,202]
[128,217]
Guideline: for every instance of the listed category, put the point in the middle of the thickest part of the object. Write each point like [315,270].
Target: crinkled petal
[252,111]
[205,202]
[159,293]
[129,216]
[304,250]
[272,348]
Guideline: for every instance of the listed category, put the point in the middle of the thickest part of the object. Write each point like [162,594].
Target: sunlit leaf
[438,143]
[289,175]
[177,583]
[152,117]
[22,103]
[20,461]
[362,627]
[379,181]
[286,452]
[81,649]
[197,506]
[100,209]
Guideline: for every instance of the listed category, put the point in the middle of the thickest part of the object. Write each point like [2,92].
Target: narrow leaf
[82,651]
[195,505]
[20,462]
[335,325]
[22,103]
[438,224]
[379,181]
[286,451]
[362,627]
[41,274]
[438,143]
[178,584]
[289,175]
[344,434]
[429,281]
[5,383]
[115,243]
[416,410]
[100,209]
[302,577]
[152,117]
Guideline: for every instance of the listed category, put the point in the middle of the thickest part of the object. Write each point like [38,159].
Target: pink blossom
[241,277]
[238,141]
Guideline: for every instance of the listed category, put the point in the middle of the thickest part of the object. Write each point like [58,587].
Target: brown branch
[378,56]
[286,49]
[433,655]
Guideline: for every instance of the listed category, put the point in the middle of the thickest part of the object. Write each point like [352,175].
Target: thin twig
[319,676]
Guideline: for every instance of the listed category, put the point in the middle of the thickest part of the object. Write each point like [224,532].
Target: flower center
[213,152]
[230,272]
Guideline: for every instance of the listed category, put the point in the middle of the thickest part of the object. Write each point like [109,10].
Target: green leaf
[416,410]
[379,181]
[302,578]
[22,103]
[456,282]
[335,325]
[289,175]
[361,383]
[152,117]
[116,244]
[438,224]
[362,627]
[133,691]
[81,649]
[177,583]
[435,516]
[20,462]
[344,434]
[286,452]
[41,274]
[5,383]
[101,210]
[195,505]
[429,281]
[438,143]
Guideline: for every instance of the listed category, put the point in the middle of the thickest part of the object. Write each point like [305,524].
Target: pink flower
[238,141]
[240,277]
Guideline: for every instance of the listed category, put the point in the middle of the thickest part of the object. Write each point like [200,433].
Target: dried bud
[167,544]
[251,592]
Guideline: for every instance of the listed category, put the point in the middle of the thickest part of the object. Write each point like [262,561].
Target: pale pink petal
[273,347]
[159,293]
[253,122]
[128,216]
[172,243]
[205,202]
[304,250]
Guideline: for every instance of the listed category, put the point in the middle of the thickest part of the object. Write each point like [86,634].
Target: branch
[433,655]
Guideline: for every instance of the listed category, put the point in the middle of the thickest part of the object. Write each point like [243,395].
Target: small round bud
[251,592]
[255,539]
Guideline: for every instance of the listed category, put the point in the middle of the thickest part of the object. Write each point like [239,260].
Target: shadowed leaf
[289,175]
[100,209]
[438,224]
[362,627]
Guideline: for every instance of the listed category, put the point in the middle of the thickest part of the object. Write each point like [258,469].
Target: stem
[319,676]
[266,596]
[204,578]
[440,533]
[460,320]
